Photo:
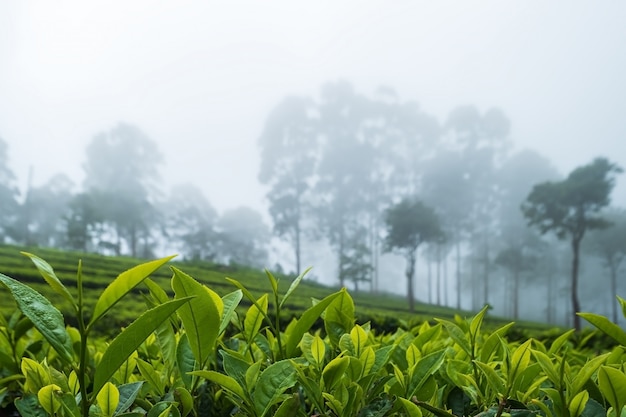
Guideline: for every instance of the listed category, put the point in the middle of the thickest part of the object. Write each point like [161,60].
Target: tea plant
[197,353]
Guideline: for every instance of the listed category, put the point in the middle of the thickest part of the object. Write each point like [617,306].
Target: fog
[201,78]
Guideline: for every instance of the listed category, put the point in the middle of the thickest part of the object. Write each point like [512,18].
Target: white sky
[200,77]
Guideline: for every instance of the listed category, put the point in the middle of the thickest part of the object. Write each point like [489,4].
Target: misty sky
[200,77]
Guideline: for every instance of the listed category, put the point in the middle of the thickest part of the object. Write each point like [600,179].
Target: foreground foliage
[196,353]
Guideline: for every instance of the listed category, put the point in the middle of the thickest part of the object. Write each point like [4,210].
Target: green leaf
[151,376]
[231,301]
[477,321]
[129,340]
[559,342]
[274,380]
[493,342]
[45,317]
[235,366]
[122,285]
[587,371]
[519,360]
[48,274]
[223,381]
[411,408]
[426,367]
[29,406]
[436,411]
[107,399]
[293,286]
[254,318]
[273,282]
[612,384]
[185,361]
[200,316]
[457,334]
[128,393]
[185,399]
[48,397]
[606,326]
[304,323]
[493,379]
[548,367]
[339,317]
[333,371]
[289,407]
[578,403]
[318,350]
[359,339]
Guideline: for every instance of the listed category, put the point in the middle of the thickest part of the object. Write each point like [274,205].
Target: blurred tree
[519,249]
[610,245]
[289,150]
[40,218]
[243,238]
[190,222]
[8,193]
[447,188]
[409,224]
[571,207]
[482,140]
[84,221]
[122,166]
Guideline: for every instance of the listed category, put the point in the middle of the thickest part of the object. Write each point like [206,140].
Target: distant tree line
[370,177]
[121,210]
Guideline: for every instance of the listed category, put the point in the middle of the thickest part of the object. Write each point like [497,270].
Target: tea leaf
[605,325]
[47,397]
[411,408]
[426,367]
[200,316]
[45,317]
[129,340]
[185,360]
[612,383]
[493,379]
[48,274]
[274,380]
[293,286]
[222,380]
[230,301]
[128,393]
[254,317]
[578,403]
[122,285]
[108,398]
[306,320]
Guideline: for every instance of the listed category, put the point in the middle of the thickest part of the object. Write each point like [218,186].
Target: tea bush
[192,352]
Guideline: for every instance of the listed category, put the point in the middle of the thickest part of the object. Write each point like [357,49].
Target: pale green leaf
[606,326]
[254,318]
[304,323]
[612,384]
[46,271]
[493,379]
[223,381]
[293,286]
[318,350]
[411,408]
[200,317]
[48,397]
[130,338]
[122,285]
[107,399]
[230,301]
[578,403]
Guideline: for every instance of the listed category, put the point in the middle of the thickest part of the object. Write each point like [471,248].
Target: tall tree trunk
[297,248]
[458,274]
[410,272]
[430,280]
[445,280]
[515,293]
[575,264]
[438,274]
[486,270]
[613,269]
